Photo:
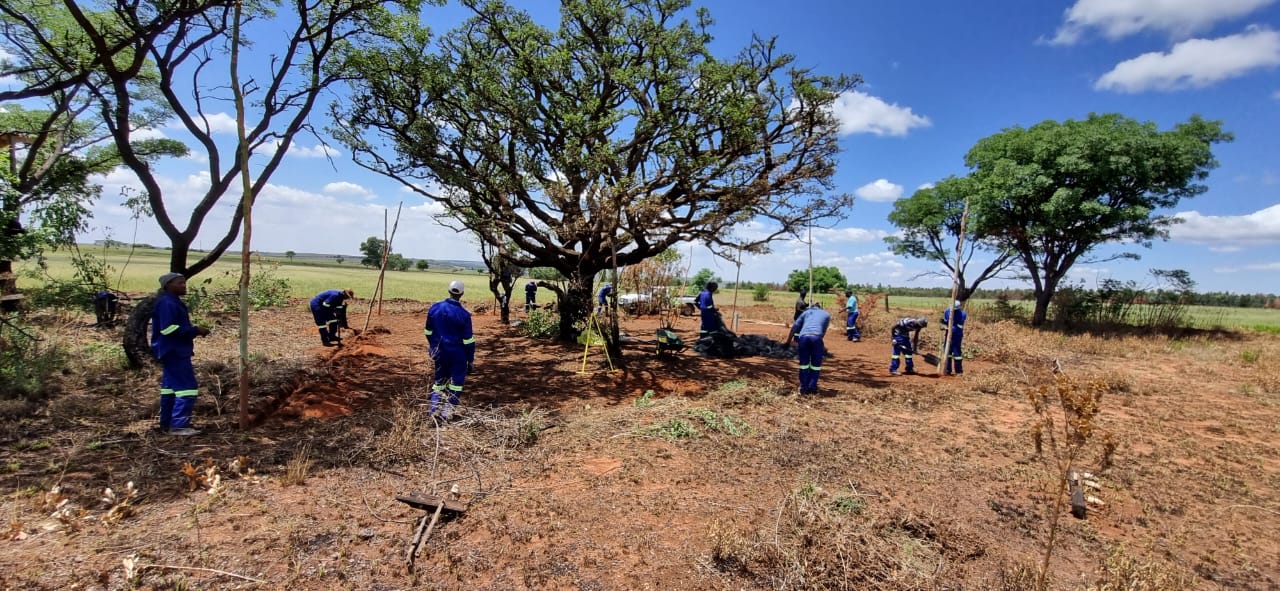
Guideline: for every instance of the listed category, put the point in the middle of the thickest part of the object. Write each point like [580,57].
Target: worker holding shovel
[906,338]
[329,309]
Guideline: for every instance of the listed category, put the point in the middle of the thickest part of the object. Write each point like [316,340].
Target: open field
[307,277]
[671,472]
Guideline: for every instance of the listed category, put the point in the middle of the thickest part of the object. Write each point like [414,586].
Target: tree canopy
[930,220]
[1054,192]
[825,279]
[602,142]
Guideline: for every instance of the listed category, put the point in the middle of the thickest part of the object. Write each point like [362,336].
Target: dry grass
[299,467]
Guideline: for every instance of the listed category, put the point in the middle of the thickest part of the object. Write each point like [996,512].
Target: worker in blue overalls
[452,347]
[530,296]
[851,331]
[906,337]
[602,305]
[954,353]
[173,344]
[808,330]
[707,306]
[329,308]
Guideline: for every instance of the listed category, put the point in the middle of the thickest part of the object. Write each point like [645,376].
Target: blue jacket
[705,301]
[813,322]
[329,299]
[961,316]
[604,293]
[449,325]
[171,330]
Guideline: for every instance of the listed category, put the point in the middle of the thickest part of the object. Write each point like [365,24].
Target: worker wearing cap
[851,331]
[801,305]
[906,337]
[953,352]
[329,308]
[808,330]
[452,347]
[173,344]
[530,295]
[707,306]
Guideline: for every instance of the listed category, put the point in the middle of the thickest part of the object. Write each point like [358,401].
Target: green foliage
[397,262]
[423,264]
[824,279]
[700,279]
[645,400]
[88,278]
[540,324]
[673,429]
[848,505]
[27,364]
[760,293]
[372,248]
[289,254]
[1249,357]
[1055,191]
[624,115]
[546,274]
[719,422]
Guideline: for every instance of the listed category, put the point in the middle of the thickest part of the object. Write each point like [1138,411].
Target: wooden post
[955,286]
[382,272]
[246,203]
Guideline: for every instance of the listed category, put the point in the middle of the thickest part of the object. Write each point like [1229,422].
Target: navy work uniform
[452,347]
[707,306]
[530,295]
[954,353]
[905,333]
[603,298]
[173,344]
[851,331]
[809,329]
[329,308]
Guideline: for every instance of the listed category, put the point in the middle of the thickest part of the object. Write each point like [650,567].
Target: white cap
[956,304]
[455,287]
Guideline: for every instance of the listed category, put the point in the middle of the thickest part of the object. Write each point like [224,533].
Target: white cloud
[284,218]
[1261,226]
[1226,249]
[924,186]
[220,123]
[879,190]
[348,188]
[859,112]
[1120,18]
[1245,268]
[848,235]
[884,263]
[1196,63]
[317,151]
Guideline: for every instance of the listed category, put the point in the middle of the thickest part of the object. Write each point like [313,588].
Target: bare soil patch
[668,472]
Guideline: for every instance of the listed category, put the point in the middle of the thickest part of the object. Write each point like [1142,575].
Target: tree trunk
[574,306]
[1043,298]
[136,346]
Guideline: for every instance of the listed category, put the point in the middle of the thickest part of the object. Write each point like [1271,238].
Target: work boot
[185,431]
[325,339]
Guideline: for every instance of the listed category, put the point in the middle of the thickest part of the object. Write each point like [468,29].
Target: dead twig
[198,569]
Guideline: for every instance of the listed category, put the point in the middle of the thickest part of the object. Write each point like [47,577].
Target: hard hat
[956,305]
[455,287]
[923,321]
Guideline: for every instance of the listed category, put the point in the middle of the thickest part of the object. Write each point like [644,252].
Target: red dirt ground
[568,486]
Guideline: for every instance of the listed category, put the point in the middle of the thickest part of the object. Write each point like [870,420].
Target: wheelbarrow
[669,342]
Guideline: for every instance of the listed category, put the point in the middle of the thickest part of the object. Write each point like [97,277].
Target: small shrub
[848,504]
[723,423]
[673,429]
[26,363]
[645,400]
[541,325]
[1249,357]
[760,293]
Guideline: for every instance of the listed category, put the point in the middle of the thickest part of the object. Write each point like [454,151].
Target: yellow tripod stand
[593,331]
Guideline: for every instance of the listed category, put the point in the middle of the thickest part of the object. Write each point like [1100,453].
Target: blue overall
[173,343]
[851,331]
[710,316]
[329,309]
[452,347]
[954,352]
[902,347]
[530,295]
[603,298]
[809,328]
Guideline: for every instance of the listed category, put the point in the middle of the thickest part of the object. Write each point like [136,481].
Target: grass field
[137,274]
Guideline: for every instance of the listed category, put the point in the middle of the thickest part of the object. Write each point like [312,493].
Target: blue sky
[939,75]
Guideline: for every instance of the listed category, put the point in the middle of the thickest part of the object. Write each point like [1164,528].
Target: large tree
[1055,191]
[182,46]
[930,220]
[603,142]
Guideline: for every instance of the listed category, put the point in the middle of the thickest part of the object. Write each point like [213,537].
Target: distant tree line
[1156,296]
